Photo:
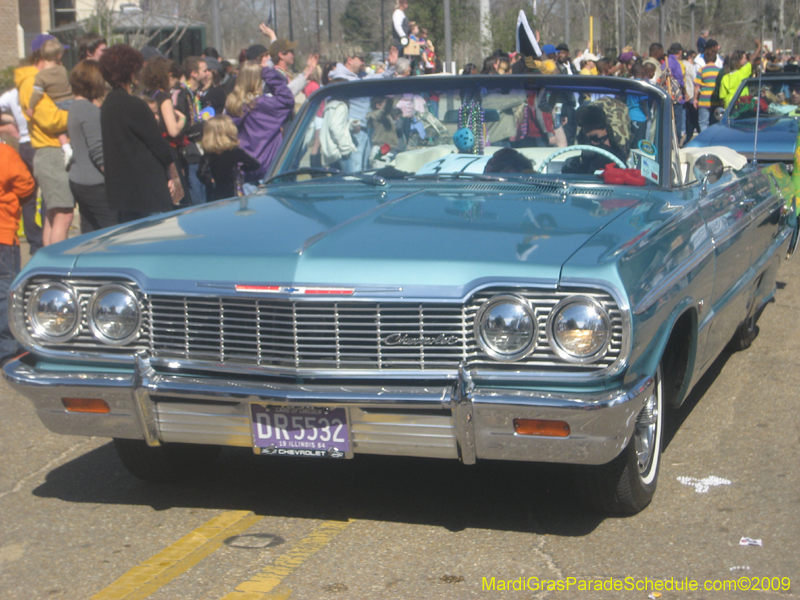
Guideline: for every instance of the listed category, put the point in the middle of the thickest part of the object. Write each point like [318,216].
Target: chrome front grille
[382,336]
[305,336]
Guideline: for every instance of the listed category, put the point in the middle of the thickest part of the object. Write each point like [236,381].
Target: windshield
[780,96]
[477,127]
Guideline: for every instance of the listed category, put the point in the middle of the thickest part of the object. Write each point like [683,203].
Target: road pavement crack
[58,459]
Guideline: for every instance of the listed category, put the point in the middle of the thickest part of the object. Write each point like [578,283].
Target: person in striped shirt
[704,84]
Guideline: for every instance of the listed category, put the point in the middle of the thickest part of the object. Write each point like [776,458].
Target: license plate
[300,431]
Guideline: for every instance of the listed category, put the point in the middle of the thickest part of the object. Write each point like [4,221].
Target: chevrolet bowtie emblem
[285,289]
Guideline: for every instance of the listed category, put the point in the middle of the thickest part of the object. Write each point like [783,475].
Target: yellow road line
[158,570]
[263,585]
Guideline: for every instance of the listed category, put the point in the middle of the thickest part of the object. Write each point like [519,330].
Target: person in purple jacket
[259,117]
[676,70]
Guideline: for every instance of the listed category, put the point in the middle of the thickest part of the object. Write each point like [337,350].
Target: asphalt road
[75,525]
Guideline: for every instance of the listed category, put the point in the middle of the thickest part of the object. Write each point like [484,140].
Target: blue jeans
[703,116]
[9,268]
[198,193]
[680,119]
[358,159]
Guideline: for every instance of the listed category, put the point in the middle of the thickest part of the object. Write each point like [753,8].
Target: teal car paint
[771,135]
[504,304]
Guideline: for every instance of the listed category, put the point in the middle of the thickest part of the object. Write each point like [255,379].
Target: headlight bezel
[37,330]
[92,319]
[556,346]
[530,311]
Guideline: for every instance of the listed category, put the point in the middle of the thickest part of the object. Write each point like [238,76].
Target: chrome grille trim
[288,337]
[346,335]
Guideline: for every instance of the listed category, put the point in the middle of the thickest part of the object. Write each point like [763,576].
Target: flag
[526,40]
[651,5]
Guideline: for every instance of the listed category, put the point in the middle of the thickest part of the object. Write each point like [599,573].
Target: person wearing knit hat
[256,52]
[563,62]
[605,124]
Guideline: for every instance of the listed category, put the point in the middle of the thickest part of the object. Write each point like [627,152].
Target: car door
[765,204]
[727,213]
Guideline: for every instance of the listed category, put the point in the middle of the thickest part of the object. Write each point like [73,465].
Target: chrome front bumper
[450,420]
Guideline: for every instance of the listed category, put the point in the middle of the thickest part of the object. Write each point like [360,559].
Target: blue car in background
[432,269]
[777,121]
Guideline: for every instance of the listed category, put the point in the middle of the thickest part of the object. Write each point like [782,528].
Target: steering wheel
[543,165]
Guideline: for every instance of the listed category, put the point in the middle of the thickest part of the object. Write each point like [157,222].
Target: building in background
[123,21]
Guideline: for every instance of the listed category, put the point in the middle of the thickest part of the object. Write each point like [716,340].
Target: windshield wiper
[371,179]
[477,176]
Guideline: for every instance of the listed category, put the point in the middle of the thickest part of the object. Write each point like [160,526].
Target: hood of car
[336,234]
[775,136]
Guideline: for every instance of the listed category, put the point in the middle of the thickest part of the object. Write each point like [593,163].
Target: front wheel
[165,464]
[626,485]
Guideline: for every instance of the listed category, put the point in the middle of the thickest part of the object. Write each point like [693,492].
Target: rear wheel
[626,485]
[167,463]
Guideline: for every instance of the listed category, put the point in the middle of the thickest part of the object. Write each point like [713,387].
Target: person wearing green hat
[281,53]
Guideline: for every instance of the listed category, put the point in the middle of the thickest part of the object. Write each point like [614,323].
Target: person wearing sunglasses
[604,124]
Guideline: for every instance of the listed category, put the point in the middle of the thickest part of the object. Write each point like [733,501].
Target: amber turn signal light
[541,427]
[86,405]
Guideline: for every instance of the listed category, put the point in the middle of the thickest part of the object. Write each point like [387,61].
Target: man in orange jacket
[16,183]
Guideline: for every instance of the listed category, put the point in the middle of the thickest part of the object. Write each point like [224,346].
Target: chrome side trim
[686,267]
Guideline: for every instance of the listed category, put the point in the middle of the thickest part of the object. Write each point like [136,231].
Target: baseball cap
[548,49]
[40,39]
[254,51]
[562,46]
[281,45]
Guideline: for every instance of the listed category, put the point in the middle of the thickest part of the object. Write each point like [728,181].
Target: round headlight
[579,329]
[506,328]
[54,312]
[114,315]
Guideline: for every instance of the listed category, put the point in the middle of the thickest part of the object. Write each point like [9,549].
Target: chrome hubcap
[644,436]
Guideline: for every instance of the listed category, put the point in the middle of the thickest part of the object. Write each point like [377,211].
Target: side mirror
[708,168]
[719,112]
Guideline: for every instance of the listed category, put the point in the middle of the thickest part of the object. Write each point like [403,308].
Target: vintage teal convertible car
[519,268]
[773,130]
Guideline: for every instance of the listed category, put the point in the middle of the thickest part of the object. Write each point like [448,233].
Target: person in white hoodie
[335,139]
[351,69]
